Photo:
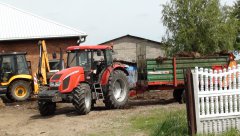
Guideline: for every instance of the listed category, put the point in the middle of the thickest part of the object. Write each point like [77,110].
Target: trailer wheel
[117,94]
[20,90]
[179,95]
[82,99]
[46,108]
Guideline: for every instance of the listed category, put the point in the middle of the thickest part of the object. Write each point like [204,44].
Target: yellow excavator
[17,83]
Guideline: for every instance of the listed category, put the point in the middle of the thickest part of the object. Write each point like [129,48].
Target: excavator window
[7,67]
[22,67]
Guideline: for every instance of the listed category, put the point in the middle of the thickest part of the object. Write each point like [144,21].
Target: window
[109,57]
[22,67]
[80,58]
[7,67]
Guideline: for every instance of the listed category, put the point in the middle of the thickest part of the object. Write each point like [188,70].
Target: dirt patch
[1,103]
[23,119]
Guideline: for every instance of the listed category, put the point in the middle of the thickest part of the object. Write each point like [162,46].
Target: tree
[198,25]
[236,14]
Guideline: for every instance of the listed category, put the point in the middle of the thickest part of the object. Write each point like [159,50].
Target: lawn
[171,122]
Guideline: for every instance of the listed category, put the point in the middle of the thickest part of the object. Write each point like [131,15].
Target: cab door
[8,68]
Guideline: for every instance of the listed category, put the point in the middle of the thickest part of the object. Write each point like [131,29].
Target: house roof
[128,35]
[16,24]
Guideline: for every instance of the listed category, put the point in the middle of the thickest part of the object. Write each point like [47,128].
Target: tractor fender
[109,70]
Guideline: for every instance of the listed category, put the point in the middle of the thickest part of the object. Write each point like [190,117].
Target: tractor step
[98,91]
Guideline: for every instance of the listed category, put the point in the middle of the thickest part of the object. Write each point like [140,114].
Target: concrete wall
[32,49]
[126,48]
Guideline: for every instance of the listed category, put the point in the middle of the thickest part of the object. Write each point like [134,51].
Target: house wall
[126,48]
[32,48]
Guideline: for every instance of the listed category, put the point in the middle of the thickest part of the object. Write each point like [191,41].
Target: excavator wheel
[20,90]
[117,94]
[82,99]
[46,108]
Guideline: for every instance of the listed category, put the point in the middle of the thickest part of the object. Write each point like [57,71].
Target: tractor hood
[67,79]
[66,73]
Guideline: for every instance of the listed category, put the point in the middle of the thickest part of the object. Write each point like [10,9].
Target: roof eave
[38,38]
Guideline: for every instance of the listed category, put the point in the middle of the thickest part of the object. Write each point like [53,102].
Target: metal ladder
[98,91]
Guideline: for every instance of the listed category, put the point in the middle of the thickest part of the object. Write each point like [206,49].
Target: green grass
[162,122]
[168,123]
[174,124]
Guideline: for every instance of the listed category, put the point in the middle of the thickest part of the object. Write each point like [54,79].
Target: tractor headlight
[55,84]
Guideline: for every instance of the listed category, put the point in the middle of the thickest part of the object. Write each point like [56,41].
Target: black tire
[46,108]
[117,79]
[20,90]
[179,95]
[82,99]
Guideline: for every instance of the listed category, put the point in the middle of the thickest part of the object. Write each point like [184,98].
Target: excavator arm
[43,66]
[40,77]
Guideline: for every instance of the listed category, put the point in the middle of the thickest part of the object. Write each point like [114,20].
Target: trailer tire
[46,108]
[117,95]
[179,95]
[82,99]
[19,90]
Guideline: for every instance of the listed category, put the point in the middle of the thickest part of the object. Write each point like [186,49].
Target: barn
[20,31]
[129,47]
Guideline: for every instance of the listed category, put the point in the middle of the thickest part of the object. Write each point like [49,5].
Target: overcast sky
[103,20]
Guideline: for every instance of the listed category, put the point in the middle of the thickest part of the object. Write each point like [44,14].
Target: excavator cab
[15,76]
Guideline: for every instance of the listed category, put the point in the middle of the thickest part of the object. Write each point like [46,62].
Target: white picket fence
[217,99]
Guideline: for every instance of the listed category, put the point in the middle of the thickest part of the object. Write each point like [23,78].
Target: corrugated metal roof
[17,24]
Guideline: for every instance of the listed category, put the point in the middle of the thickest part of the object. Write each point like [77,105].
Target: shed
[128,47]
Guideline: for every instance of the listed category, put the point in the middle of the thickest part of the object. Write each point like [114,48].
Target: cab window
[22,67]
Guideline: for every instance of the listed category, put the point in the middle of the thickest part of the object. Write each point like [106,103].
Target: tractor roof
[89,47]
[12,53]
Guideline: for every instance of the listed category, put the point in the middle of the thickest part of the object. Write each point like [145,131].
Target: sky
[103,20]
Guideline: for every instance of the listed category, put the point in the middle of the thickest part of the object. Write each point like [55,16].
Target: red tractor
[91,75]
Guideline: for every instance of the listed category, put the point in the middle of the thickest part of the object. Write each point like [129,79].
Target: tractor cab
[93,59]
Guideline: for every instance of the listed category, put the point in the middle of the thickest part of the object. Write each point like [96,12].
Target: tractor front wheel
[20,90]
[46,108]
[82,99]
[117,94]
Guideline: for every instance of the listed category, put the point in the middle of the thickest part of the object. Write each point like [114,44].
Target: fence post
[189,92]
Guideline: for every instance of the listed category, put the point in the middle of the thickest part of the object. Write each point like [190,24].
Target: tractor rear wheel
[117,94]
[46,108]
[20,90]
[82,99]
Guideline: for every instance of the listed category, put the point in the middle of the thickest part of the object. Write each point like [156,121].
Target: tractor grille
[66,83]
[56,76]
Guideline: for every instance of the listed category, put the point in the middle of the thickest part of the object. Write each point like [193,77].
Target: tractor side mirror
[99,53]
